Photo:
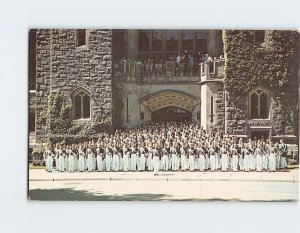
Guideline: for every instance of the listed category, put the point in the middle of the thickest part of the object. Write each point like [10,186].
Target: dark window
[32,59]
[119,44]
[86,106]
[263,105]
[201,41]
[188,40]
[259,36]
[82,105]
[77,107]
[254,105]
[80,37]
[144,40]
[157,37]
[259,106]
[31,121]
[172,41]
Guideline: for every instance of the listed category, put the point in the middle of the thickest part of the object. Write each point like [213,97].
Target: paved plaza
[167,186]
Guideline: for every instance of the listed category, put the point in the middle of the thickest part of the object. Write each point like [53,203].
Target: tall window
[201,42]
[259,36]
[259,104]
[144,40]
[81,104]
[162,44]
[188,40]
[172,40]
[80,37]
[31,120]
[157,40]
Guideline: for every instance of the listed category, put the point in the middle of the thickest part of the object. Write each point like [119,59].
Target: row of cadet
[176,157]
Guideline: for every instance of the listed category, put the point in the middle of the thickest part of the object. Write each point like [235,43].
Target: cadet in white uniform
[100,152]
[71,158]
[133,156]
[150,157]
[156,158]
[224,157]
[48,157]
[90,156]
[126,155]
[81,159]
[165,158]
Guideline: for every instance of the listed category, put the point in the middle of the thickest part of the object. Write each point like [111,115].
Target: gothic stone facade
[62,64]
[123,98]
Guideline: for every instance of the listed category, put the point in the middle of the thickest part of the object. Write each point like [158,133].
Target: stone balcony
[212,71]
[167,72]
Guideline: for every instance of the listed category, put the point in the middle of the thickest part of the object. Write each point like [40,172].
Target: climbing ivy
[248,64]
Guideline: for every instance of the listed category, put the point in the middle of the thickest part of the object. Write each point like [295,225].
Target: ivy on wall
[248,63]
[59,126]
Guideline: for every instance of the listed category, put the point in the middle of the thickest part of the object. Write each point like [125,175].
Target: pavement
[279,176]
[168,186]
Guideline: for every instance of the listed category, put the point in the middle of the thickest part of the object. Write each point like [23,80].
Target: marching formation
[165,146]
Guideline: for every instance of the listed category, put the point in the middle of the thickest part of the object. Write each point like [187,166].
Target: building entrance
[171,114]
[260,134]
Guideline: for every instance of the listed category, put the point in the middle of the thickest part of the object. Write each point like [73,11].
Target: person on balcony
[191,63]
[209,62]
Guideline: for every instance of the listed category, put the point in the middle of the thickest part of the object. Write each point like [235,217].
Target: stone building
[127,78]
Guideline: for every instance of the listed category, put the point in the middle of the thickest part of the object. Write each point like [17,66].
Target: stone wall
[62,65]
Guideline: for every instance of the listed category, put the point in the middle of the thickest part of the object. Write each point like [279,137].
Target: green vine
[249,64]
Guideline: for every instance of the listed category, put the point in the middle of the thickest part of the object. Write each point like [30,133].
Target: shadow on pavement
[80,195]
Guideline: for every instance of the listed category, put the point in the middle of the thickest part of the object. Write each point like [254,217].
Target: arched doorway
[170,105]
[171,114]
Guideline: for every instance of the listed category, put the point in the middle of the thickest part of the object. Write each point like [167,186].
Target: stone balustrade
[167,71]
[149,72]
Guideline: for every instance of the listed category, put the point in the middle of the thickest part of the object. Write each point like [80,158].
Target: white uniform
[81,160]
[202,162]
[142,158]
[100,152]
[115,159]
[61,159]
[155,161]
[174,158]
[235,159]
[90,158]
[71,159]
[191,159]
[133,158]
[150,159]
[164,159]
[126,154]
[224,159]
[108,158]
[272,159]
[48,156]
[212,158]
[259,159]
[184,162]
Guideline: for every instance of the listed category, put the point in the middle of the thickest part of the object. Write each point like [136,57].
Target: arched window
[81,104]
[259,104]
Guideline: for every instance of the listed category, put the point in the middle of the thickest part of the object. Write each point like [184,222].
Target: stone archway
[168,99]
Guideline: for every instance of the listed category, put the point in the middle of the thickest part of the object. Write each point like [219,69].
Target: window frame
[82,92]
[164,53]
[263,90]
[86,38]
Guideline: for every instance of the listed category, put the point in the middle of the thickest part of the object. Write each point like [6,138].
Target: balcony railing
[167,71]
[212,70]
